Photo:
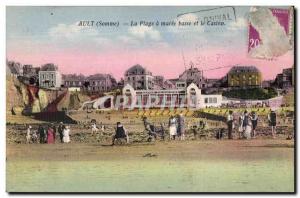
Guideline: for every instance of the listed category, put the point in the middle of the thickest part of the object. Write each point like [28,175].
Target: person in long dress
[66,133]
[230,124]
[172,127]
[50,135]
[181,126]
[248,129]
[94,128]
[28,135]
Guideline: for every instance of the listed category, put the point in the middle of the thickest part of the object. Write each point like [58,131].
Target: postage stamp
[270,32]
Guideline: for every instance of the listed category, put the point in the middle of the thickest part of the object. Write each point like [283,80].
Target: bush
[251,94]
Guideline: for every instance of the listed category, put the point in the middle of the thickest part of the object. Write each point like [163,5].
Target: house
[193,75]
[73,80]
[244,77]
[13,68]
[159,80]
[49,76]
[139,77]
[100,83]
[30,74]
[285,79]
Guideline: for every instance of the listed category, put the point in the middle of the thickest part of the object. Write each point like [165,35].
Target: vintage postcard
[150,99]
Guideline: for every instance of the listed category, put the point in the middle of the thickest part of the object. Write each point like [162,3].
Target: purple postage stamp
[270,32]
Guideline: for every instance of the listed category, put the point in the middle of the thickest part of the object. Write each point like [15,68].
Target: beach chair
[153,113]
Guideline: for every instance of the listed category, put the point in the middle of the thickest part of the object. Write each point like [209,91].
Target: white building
[191,97]
[49,76]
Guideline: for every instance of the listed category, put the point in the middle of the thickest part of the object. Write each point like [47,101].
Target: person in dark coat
[120,133]
[254,119]
[230,124]
[41,132]
[245,120]
[272,122]
[181,127]
[60,130]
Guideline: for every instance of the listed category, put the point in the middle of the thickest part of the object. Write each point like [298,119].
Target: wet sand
[192,166]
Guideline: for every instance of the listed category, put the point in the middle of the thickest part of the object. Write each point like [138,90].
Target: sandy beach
[195,166]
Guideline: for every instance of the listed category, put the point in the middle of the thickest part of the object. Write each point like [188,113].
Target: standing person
[28,135]
[254,119]
[181,126]
[240,128]
[94,128]
[230,124]
[172,127]
[102,127]
[272,122]
[121,132]
[66,133]
[41,132]
[50,135]
[34,137]
[248,128]
[60,130]
[54,131]
[245,119]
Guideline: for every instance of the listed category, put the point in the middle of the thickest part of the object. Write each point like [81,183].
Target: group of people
[176,128]
[246,126]
[247,123]
[47,134]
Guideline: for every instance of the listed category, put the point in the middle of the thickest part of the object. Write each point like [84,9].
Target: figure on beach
[248,128]
[94,128]
[34,137]
[42,134]
[254,120]
[28,134]
[121,132]
[245,119]
[230,124]
[54,131]
[50,135]
[60,129]
[272,122]
[66,132]
[181,127]
[149,127]
[172,127]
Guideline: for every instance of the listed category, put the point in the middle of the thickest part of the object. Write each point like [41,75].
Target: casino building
[190,97]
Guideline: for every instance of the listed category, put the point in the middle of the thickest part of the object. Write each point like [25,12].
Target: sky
[39,35]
